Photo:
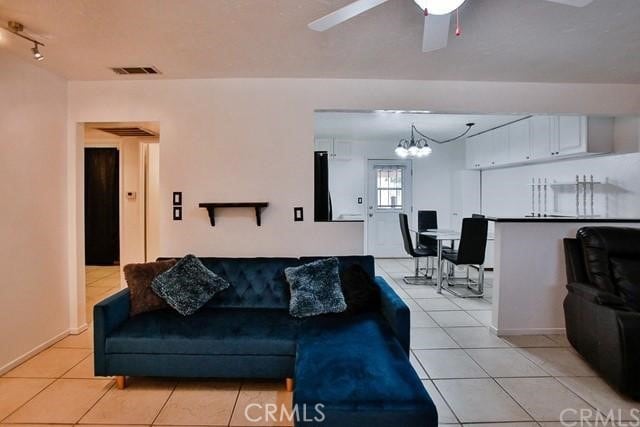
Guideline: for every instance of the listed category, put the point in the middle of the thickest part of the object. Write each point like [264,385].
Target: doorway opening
[121,185]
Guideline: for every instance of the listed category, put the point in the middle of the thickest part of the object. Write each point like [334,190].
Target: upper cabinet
[538,139]
[336,149]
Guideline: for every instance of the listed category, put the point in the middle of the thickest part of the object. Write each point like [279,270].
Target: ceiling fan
[437,16]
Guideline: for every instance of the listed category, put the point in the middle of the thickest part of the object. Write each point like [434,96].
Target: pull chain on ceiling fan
[437,17]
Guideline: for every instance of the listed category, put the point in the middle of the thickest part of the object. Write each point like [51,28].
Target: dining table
[441,235]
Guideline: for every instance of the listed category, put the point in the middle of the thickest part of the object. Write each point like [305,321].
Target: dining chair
[415,252]
[428,220]
[471,251]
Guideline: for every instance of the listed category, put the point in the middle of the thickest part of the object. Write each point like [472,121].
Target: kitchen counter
[529,279]
[575,219]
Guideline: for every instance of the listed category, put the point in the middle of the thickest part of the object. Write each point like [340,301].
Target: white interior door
[388,194]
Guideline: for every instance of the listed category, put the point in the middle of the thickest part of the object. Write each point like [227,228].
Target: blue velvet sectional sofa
[355,366]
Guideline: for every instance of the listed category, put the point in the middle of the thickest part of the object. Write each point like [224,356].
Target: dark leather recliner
[601,310]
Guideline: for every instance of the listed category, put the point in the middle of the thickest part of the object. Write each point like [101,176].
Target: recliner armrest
[395,311]
[108,314]
[596,295]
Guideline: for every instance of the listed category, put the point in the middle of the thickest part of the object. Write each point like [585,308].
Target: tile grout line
[112,385]
[233,410]
[173,389]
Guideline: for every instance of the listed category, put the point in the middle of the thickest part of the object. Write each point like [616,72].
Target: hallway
[101,282]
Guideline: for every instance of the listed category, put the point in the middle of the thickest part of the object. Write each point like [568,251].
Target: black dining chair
[415,252]
[428,220]
[471,251]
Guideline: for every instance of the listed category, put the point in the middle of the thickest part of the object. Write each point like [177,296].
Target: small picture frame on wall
[177,198]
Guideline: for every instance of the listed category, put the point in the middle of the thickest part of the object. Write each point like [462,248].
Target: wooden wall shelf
[211,207]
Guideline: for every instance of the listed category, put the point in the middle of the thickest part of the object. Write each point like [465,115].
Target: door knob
[370,215]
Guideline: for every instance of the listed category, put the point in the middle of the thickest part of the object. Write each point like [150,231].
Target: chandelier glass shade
[420,147]
[413,148]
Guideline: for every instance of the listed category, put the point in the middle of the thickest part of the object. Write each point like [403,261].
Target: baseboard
[28,355]
[538,331]
[80,329]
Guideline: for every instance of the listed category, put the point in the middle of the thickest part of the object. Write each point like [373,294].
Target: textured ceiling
[503,40]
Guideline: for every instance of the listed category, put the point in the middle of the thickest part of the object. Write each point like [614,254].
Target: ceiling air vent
[134,131]
[135,70]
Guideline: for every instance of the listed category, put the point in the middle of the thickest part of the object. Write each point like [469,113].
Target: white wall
[506,193]
[252,139]
[34,299]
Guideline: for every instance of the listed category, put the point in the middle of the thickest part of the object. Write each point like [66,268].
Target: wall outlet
[359,200]
[298,214]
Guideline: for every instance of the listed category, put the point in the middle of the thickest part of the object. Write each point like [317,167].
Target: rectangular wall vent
[135,70]
[134,131]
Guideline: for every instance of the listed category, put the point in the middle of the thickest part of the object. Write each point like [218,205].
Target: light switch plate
[298,214]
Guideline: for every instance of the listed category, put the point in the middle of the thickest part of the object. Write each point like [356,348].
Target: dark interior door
[101,206]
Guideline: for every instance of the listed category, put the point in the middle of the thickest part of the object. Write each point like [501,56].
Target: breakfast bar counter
[529,271]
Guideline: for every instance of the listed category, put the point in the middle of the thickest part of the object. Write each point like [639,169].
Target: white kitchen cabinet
[538,139]
[336,149]
[499,146]
[341,150]
[519,141]
[541,129]
[570,136]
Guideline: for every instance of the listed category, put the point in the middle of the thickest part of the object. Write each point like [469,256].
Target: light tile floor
[473,376]
[100,282]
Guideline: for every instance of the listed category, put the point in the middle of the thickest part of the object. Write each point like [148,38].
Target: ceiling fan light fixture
[439,7]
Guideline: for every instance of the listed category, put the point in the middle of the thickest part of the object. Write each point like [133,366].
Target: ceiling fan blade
[344,13]
[576,3]
[436,32]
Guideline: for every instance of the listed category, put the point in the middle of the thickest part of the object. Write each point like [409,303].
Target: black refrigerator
[322,197]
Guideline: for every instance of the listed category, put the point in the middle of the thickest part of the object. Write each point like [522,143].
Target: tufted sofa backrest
[260,282]
[255,282]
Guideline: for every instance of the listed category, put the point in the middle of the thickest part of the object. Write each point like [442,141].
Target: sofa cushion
[188,285]
[626,275]
[355,367]
[599,244]
[315,288]
[139,277]
[209,331]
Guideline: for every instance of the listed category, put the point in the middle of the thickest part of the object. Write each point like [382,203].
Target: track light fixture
[36,53]
[17,28]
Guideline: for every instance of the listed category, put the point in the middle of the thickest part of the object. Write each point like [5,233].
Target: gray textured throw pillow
[315,288]
[188,285]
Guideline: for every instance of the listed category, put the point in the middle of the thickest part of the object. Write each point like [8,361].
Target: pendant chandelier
[420,147]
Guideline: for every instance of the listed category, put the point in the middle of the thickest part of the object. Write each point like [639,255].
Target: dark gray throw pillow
[360,291]
[315,288]
[626,274]
[188,285]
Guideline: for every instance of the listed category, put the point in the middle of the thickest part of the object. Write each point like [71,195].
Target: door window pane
[389,180]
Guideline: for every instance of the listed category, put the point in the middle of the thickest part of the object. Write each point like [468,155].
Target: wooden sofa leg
[289,384]
[121,382]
